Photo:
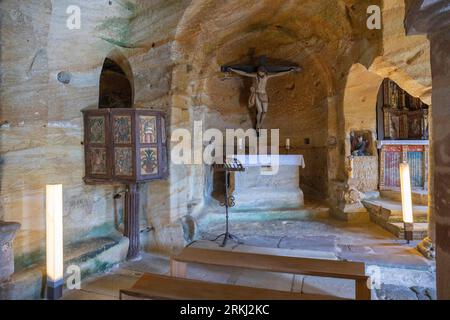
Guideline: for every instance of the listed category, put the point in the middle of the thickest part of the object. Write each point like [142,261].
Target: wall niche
[363,160]
[115,87]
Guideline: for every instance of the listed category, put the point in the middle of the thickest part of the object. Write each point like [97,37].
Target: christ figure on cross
[258,96]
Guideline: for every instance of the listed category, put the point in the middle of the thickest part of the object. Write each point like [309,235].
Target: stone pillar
[440,57]
[7,232]
[432,17]
[426,247]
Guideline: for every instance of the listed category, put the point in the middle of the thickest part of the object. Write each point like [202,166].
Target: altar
[267,184]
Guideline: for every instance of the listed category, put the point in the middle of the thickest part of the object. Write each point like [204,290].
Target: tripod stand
[235,166]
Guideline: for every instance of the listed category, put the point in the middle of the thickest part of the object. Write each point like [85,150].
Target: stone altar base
[255,189]
[7,232]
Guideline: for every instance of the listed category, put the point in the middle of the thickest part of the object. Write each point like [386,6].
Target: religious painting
[122,129]
[123,158]
[97,158]
[147,126]
[416,127]
[360,143]
[394,127]
[96,129]
[149,161]
[405,117]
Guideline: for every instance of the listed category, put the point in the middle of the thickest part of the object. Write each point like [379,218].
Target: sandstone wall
[24,97]
[173,51]
[324,37]
[41,120]
[404,59]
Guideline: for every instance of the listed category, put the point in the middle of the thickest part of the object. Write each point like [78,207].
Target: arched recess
[360,101]
[363,113]
[116,82]
[301,105]
[360,120]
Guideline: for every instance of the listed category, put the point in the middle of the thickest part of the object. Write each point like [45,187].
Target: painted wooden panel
[391,168]
[393,155]
[124,145]
[122,129]
[123,159]
[149,161]
[415,160]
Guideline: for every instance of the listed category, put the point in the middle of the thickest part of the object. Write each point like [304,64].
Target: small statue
[359,145]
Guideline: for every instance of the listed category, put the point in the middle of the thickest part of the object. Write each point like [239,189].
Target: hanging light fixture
[54,244]
[405,183]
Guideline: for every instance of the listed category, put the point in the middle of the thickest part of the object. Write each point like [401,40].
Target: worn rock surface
[393,292]
[174,50]
[90,256]
[432,19]
[7,233]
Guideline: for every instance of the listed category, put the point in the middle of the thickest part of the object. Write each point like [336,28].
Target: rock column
[433,18]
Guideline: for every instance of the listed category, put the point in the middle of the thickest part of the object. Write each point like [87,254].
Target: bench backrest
[284,264]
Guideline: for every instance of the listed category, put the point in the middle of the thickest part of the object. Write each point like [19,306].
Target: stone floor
[400,272]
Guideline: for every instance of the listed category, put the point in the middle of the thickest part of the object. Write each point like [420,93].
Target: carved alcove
[123,145]
[403,132]
[116,89]
[363,160]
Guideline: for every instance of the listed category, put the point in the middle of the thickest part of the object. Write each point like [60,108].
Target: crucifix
[260,73]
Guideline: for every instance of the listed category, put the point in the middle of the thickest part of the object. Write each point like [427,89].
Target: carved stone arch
[116,82]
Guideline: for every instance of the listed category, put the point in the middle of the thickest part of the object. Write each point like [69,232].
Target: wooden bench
[157,287]
[304,266]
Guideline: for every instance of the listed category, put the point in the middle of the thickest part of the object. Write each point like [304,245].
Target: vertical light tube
[405,183]
[54,228]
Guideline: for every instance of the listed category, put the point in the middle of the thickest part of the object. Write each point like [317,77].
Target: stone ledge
[388,215]
[353,213]
[265,215]
[89,256]
[7,232]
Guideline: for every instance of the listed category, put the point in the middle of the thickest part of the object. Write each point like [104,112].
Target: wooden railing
[392,153]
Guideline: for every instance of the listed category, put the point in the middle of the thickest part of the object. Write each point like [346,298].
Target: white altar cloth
[253,160]
[268,183]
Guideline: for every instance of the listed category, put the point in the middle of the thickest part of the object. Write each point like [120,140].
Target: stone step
[370,195]
[418,197]
[387,213]
[420,230]
[267,215]
[91,256]
[392,209]
[397,228]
